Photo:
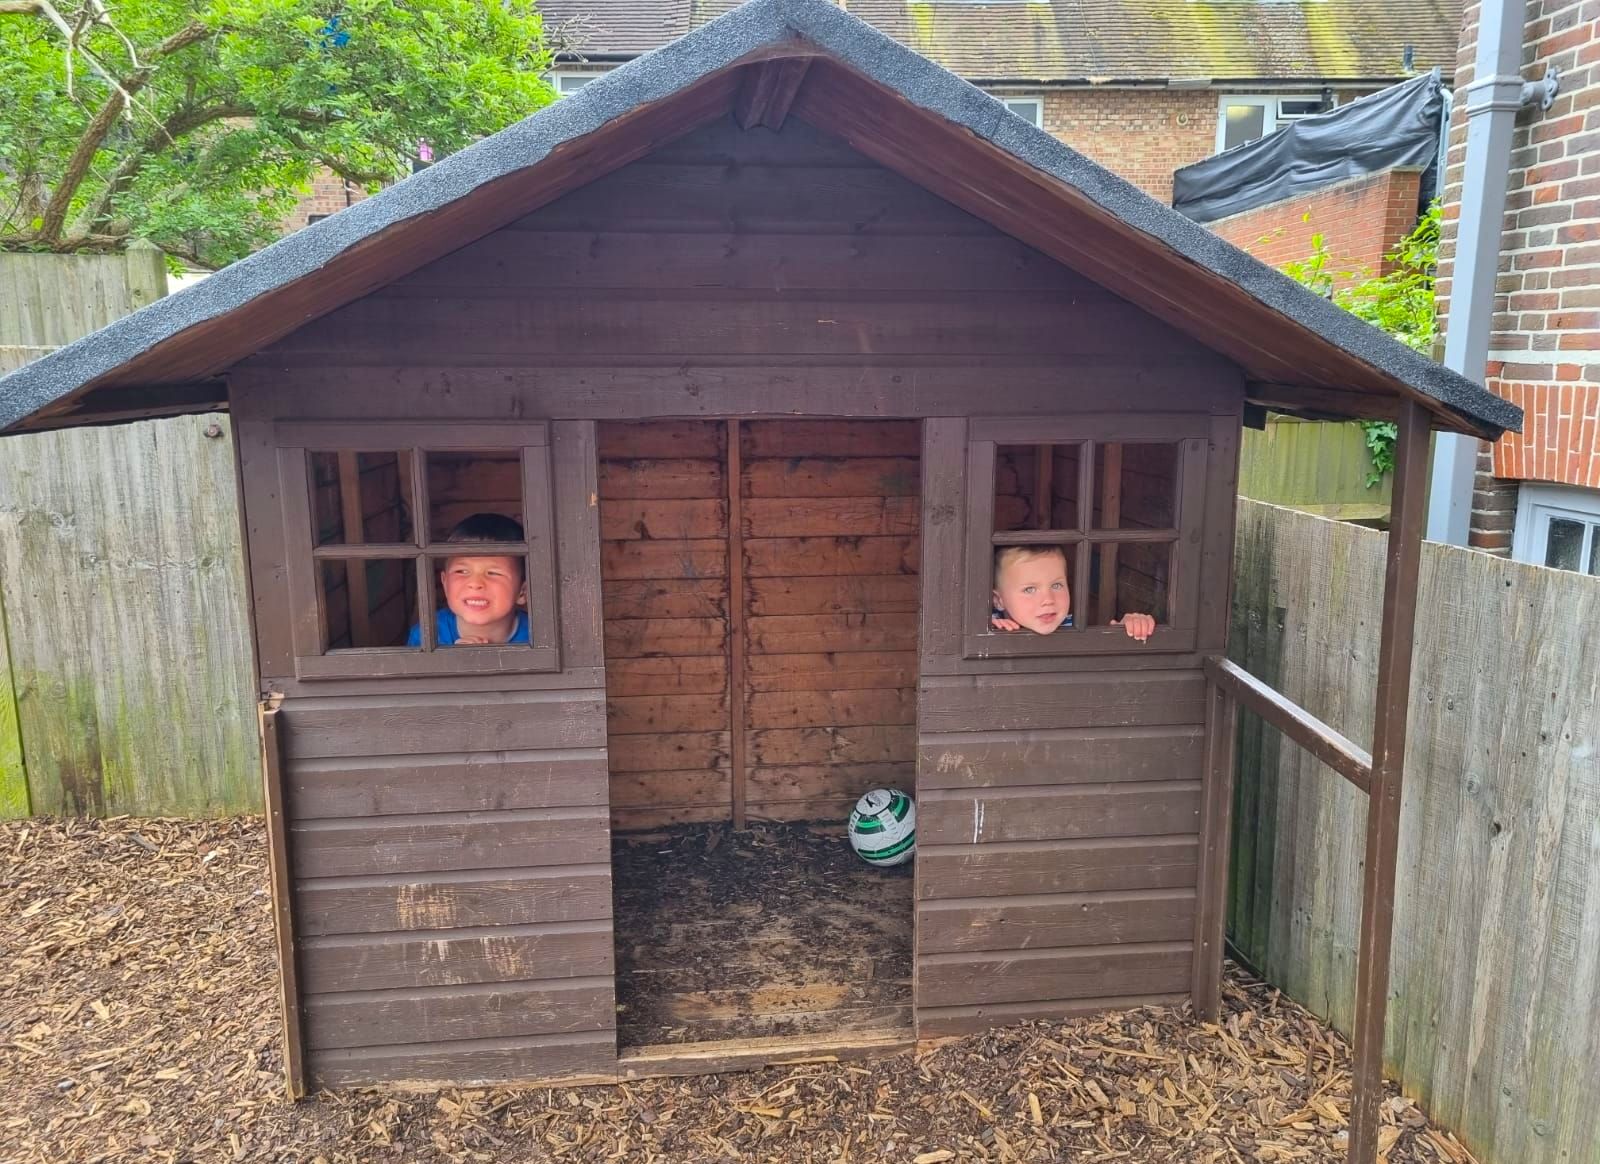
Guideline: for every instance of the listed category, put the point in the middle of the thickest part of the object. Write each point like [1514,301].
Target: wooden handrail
[1333,748]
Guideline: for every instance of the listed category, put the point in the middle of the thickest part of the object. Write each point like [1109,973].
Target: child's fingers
[1004,624]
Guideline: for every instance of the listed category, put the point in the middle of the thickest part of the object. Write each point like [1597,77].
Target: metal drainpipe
[1493,99]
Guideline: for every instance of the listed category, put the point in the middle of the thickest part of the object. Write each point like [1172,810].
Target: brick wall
[1544,353]
[1361,221]
[329,194]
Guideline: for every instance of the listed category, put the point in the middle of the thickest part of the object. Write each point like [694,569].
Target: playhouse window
[1122,502]
[373,512]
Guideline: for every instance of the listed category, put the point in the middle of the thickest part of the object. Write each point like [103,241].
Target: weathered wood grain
[834,594]
[1060,756]
[527,1058]
[1068,700]
[1017,913]
[527,837]
[1043,814]
[381,785]
[387,961]
[447,901]
[445,1013]
[962,979]
[383,725]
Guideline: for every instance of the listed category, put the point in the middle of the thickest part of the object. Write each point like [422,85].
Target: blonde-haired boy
[1031,593]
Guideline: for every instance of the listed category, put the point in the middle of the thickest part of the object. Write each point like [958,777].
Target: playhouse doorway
[761,599]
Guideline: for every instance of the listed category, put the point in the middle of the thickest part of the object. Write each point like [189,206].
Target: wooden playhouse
[768,339]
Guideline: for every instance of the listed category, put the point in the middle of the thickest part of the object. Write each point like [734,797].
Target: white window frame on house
[1011,101]
[1273,117]
[1538,504]
[558,80]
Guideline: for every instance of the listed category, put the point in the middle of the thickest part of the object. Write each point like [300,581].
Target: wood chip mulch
[138,1021]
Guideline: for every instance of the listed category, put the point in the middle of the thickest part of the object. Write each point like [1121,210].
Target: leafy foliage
[235,104]
[1400,303]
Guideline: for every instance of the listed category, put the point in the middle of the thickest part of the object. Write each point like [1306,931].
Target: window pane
[1564,544]
[1594,551]
[361,498]
[1135,486]
[466,485]
[1128,578]
[481,599]
[1299,108]
[369,603]
[1243,123]
[1036,487]
[1027,109]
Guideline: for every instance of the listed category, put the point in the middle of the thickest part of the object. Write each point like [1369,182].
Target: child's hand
[1003,624]
[471,641]
[1138,626]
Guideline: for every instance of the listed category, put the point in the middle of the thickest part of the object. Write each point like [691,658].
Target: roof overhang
[764,61]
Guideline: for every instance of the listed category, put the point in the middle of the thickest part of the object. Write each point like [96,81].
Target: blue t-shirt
[445,631]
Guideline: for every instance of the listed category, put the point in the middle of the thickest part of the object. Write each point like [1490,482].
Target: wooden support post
[1388,756]
[736,629]
[1110,518]
[282,916]
[1216,826]
[355,535]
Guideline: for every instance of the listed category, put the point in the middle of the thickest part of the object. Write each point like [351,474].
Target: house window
[1030,109]
[566,84]
[1558,527]
[1245,118]
[384,523]
[1122,501]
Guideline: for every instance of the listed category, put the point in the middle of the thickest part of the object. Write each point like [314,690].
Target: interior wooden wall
[831,514]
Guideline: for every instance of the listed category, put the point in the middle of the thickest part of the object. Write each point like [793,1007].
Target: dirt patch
[138,1021]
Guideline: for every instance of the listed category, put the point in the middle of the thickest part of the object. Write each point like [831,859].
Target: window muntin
[368,508]
[1122,499]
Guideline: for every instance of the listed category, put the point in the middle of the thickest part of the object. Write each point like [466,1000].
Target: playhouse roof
[762,61]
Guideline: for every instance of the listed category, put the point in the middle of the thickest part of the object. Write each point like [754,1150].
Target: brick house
[1140,86]
[1537,495]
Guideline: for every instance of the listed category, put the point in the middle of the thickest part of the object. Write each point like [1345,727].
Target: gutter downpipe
[1493,99]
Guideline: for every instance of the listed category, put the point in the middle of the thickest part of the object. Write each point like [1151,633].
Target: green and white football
[883,827]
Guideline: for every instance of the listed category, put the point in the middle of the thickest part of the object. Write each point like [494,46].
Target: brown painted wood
[1222,724]
[837,438]
[707,788]
[964,872]
[1409,513]
[1040,702]
[1330,746]
[831,745]
[631,638]
[781,709]
[957,816]
[620,440]
[354,522]
[699,558]
[1057,757]
[678,752]
[1110,518]
[816,783]
[837,671]
[806,517]
[834,477]
[665,598]
[526,1059]
[811,634]
[447,901]
[641,518]
[950,1021]
[738,641]
[1013,916]
[963,979]
[359,787]
[515,839]
[386,961]
[658,478]
[638,714]
[835,594]
[492,1010]
[279,858]
[666,676]
[444,723]
[768,90]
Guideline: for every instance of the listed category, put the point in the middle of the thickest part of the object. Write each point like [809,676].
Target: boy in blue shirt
[485,596]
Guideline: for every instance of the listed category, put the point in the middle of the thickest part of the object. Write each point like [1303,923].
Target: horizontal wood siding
[450,858]
[1058,815]
[664,577]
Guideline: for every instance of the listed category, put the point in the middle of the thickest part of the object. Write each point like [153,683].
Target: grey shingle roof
[1076,40]
[141,349]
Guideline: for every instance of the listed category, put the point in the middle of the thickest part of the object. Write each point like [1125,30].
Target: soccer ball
[883,827]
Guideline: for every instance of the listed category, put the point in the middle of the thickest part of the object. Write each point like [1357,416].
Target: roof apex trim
[745,31]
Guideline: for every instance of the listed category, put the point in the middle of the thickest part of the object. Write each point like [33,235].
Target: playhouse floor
[778,931]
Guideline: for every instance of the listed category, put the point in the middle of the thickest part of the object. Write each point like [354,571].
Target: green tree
[195,123]
[1400,302]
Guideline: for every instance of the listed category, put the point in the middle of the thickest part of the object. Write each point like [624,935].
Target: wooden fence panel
[1318,466]
[1492,1023]
[126,682]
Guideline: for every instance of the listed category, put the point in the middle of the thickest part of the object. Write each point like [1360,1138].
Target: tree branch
[184,121]
[77,168]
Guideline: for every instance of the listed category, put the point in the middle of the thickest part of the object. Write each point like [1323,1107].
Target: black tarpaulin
[1397,126]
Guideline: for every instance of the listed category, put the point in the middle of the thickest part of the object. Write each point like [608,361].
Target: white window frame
[1009,100]
[1537,504]
[557,79]
[1273,118]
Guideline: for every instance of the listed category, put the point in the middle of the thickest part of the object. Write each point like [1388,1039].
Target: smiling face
[484,593]
[1031,587]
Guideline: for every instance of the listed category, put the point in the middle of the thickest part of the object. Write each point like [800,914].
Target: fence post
[147,273]
[14,800]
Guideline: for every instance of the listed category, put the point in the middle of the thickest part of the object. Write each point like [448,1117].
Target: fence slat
[1497,930]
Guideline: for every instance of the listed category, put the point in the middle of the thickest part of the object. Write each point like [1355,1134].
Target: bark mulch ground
[138,1021]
